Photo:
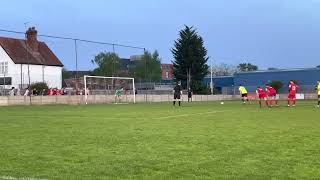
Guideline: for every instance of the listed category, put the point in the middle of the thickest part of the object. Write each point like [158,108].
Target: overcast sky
[269,33]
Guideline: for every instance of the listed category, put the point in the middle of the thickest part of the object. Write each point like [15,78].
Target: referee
[177,92]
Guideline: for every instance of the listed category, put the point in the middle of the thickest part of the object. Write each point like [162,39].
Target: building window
[3,67]
[167,74]
[6,81]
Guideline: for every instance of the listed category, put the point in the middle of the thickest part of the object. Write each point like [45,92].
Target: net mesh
[97,88]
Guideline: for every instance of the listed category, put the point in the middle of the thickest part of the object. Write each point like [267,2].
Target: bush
[199,88]
[40,87]
[276,84]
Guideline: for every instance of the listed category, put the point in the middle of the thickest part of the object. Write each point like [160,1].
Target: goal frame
[106,77]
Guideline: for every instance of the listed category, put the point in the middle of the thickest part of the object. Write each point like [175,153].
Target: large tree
[245,67]
[190,58]
[148,69]
[109,64]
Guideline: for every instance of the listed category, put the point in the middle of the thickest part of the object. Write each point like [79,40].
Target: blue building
[306,79]
[220,82]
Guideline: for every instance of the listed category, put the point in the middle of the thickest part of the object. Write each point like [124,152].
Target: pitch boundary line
[186,115]
[162,117]
[19,178]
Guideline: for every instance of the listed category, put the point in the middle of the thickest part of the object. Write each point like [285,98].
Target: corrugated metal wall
[306,78]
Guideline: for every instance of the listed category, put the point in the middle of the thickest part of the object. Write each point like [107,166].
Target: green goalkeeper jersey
[118,93]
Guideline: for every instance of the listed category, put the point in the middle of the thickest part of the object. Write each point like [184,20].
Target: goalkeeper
[117,95]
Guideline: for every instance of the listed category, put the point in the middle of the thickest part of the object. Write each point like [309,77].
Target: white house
[23,62]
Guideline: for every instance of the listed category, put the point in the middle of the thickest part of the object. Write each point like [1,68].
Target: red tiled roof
[17,51]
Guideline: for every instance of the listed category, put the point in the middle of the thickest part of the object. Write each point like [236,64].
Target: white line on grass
[186,115]
[19,178]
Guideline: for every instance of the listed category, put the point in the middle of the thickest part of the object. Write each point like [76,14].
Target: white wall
[52,75]
[5,58]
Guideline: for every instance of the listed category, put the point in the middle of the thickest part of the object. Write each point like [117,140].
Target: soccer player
[117,95]
[262,95]
[177,92]
[318,91]
[293,88]
[243,93]
[190,95]
[272,93]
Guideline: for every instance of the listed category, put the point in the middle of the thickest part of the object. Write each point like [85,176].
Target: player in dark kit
[190,95]
[177,92]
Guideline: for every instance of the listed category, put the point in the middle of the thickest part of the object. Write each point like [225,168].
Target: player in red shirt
[293,88]
[272,93]
[261,93]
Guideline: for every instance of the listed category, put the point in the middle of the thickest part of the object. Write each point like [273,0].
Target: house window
[6,81]
[167,74]
[3,67]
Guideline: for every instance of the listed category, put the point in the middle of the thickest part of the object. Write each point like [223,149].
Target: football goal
[116,89]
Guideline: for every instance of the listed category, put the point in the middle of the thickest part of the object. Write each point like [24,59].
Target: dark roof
[279,70]
[16,49]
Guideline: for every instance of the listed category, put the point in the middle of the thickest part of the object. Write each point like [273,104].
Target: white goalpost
[101,85]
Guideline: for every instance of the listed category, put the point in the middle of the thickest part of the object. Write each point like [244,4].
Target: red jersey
[271,91]
[261,92]
[293,88]
[50,92]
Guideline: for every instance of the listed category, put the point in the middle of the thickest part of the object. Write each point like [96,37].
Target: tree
[40,87]
[245,67]
[223,70]
[109,64]
[190,58]
[276,85]
[148,68]
[272,69]
[65,75]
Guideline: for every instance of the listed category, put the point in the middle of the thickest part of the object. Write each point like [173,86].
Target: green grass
[158,141]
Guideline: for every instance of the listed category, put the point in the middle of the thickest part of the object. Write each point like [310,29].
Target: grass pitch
[159,141]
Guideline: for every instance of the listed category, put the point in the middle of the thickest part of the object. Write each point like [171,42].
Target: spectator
[62,91]
[18,92]
[11,93]
[27,92]
[34,92]
[50,92]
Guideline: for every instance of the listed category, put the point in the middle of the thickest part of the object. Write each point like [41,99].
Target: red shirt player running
[272,93]
[293,88]
[262,96]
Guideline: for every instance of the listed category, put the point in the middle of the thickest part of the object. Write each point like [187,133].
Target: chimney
[32,38]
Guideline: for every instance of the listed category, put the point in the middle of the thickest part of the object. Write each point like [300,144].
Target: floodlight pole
[211,81]
[85,89]
[76,56]
[134,91]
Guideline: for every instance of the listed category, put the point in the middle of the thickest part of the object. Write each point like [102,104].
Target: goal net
[109,89]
